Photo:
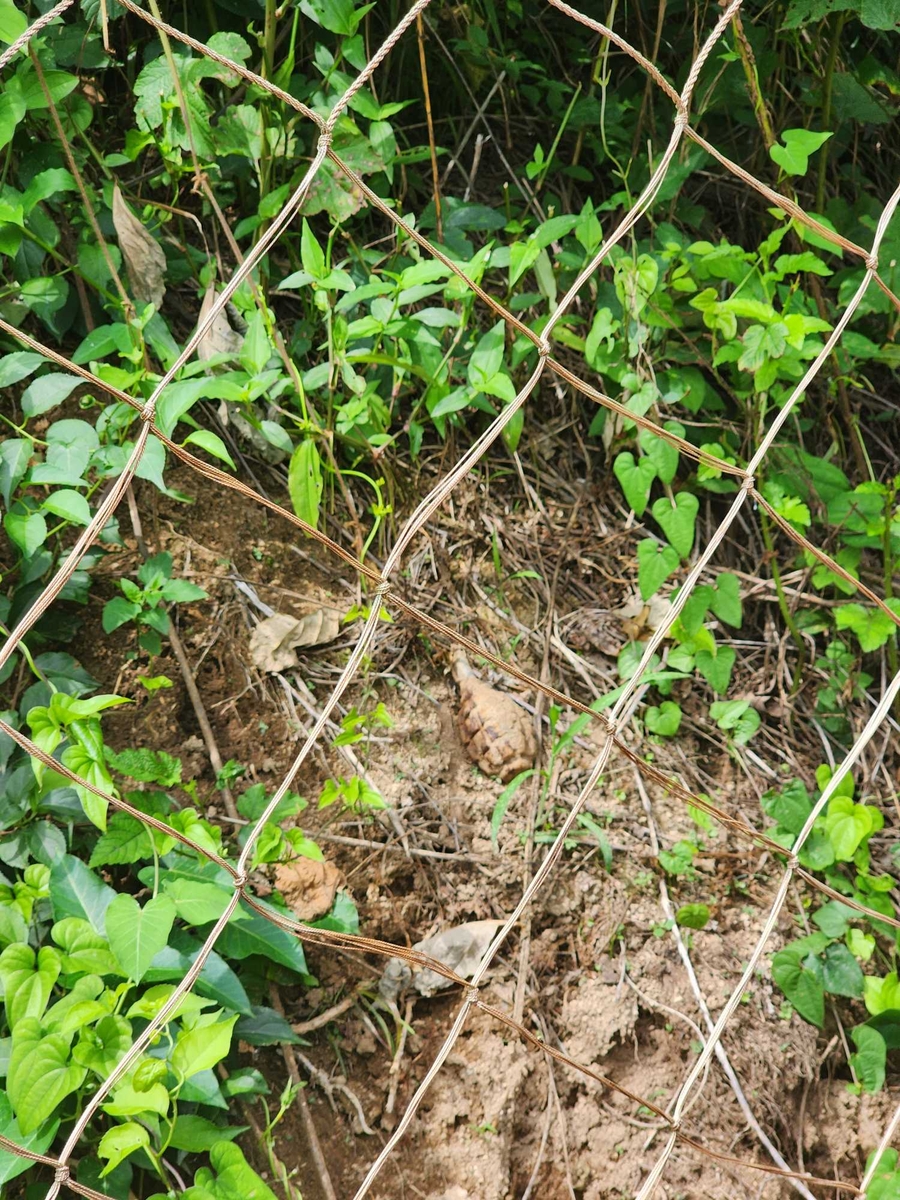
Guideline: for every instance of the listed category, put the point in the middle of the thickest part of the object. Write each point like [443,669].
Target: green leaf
[145,765]
[879,14]
[70,505]
[255,349]
[834,918]
[40,1075]
[872,626]
[846,824]
[800,984]
[661,452]
[265,1027]
[120,1141]
[200,1048]
[841,973]
[28,979]
[636,479]
[196,1135]
[18,366]
[12,25]
[84,950]
[655,564]
[256,935]
[881,995]
[692,916]
[311,253]
[75,891]
[305,482]
[211,443]
[789,807]
[664,720]
[799,144]
[46,392]
[716,668]
[118,612]
[678,523]
[39,1141]
[108,1044]
[136,935]
[197,902]
[27,530]
[487,357]
[737,718]
[14,456]
[726,600]
[128,1102]
[870,1059]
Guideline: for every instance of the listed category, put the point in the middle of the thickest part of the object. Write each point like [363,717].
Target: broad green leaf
[255,349]
[799,144]
[120,1141]
[663,720]
[800,984]
[118,612]
[655,564]
[257,935]
[39,1141]
[841,973]
[105,1046]
[19,365]
[200,1048]
[27,530]
[265,1027]
[76,891]
[46,392]
[726,600]
[716,668]
[872,626]
[678,523]
[196,1135]
[881,995]
[847,824]
[70,505]
[197,902]
[136,935]
[636,479]
[128,1102]
[693,916]
[12,24]
[14,457]
[40,1075]
[212,444]
[311,253]
[789,807]
[83,949]
[305,482]
[869,1061]
[487,357]
[236,1179]
[28,979]
[661,452]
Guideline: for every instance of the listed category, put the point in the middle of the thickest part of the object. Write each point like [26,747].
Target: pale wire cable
[612,727]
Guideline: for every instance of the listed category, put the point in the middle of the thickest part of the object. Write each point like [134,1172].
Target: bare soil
[601,978]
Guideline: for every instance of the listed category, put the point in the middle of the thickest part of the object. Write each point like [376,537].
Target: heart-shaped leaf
[663,720]
[136,935]
[677,522]
[636,479]
[661,452]
[716,668]
[726,600]
[655,564]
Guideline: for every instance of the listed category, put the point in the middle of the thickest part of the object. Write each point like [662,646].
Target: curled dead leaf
[461,948]
[220,338]
[144,257]
[496,732]
[274,640]
[308,886]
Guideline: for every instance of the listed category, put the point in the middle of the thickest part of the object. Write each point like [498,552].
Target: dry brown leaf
[143,254]
[496,732]
[461,948]
[220,338]
[308,886]
[274,640]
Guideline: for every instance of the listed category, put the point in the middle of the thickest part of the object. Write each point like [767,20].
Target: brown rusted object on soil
[496,732]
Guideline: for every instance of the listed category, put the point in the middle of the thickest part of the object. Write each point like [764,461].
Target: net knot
[61,1173]
[241,879]
[681,118]
[793,862]
[543,348]
[148,412]
[324,141]
[383,589]
[871,262]
[748,483]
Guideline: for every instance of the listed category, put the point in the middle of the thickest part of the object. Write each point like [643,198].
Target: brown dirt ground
[603,978]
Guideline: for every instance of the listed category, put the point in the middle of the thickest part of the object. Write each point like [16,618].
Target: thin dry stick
[435,179]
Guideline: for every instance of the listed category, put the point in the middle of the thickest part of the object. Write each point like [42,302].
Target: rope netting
[386,592]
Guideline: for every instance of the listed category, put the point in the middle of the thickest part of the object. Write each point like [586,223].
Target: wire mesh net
[387,592]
